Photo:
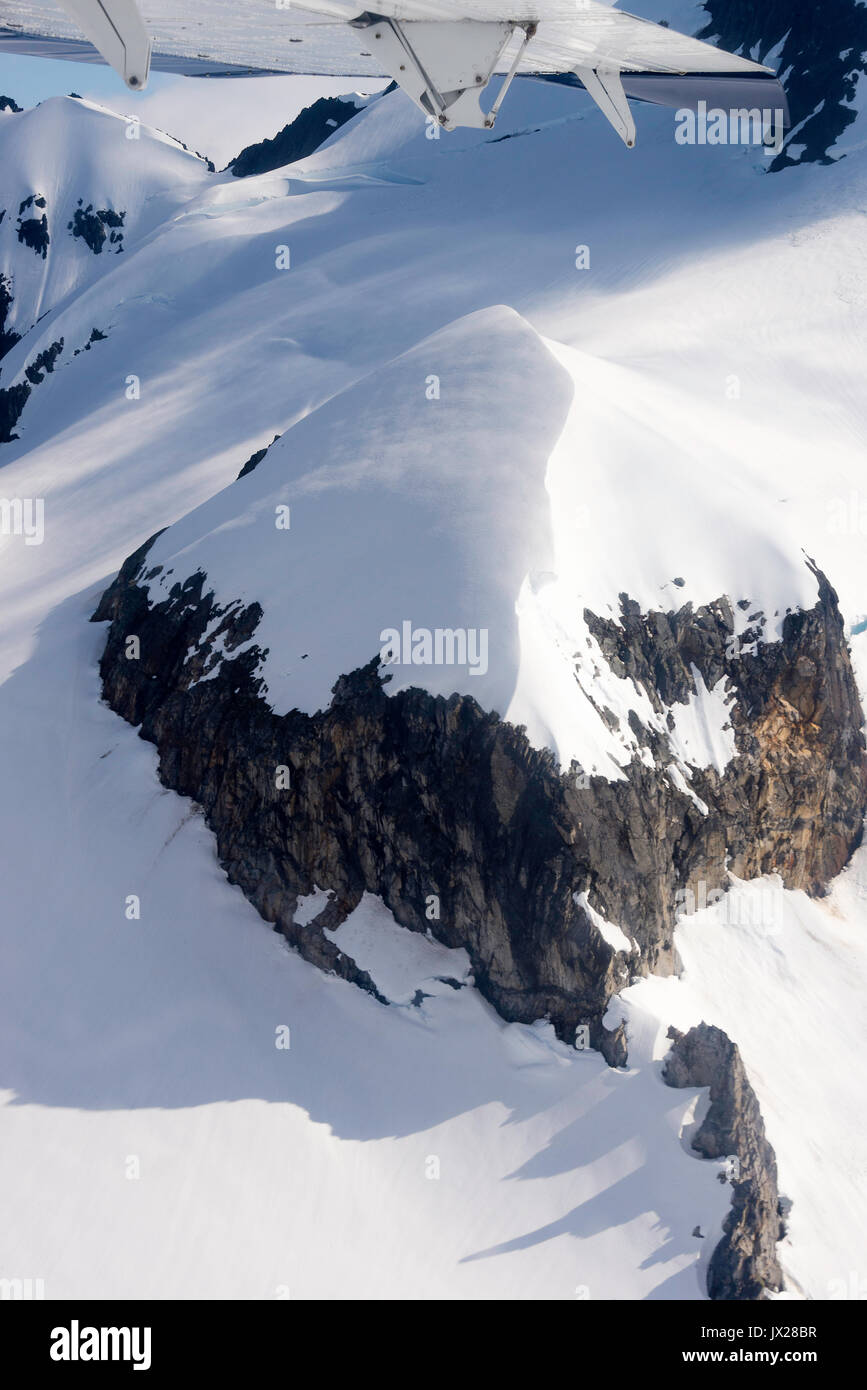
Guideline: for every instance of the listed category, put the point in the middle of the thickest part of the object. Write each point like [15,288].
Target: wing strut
[529,32]
[117,30]
[606,89]
[444,65]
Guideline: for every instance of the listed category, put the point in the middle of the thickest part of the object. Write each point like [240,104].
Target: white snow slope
[687,407]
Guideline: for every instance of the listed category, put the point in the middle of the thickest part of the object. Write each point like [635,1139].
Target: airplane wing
[441,52]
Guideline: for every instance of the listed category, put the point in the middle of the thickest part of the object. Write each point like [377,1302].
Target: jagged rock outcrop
[95,337]
[14,398]
[301,137]
[310,128]
[93,227]
[256,458]
[744,1264]
[797,723]
[12,401]
[43,363]
[8,336]
[33,231]
[414,795]
[821,51]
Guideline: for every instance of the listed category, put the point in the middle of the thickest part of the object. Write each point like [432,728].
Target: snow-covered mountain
[72,188]
[595,414]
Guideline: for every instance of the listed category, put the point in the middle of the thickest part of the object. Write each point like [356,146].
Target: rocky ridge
[415,797]
[744,1263]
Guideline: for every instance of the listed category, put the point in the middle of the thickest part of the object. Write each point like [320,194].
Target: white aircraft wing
[442,52]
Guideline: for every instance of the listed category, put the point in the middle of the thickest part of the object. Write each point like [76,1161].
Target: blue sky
[31,80]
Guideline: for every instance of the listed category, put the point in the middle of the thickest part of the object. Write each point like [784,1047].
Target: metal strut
[434,96]
[606,89]
[529,33]
[444,66]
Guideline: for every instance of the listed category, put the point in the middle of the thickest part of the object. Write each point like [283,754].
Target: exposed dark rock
[744,1264]
[823,56]
[12,401]
[613,1045]
[14,398]
[33,231]
[413,795]
[797,723]
[7,104]
[255,459]
[43,363]
[820,50]
[8,336]
[94,227]
[301,137]
[95,337]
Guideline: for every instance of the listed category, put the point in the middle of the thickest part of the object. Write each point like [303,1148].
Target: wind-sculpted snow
[390,486]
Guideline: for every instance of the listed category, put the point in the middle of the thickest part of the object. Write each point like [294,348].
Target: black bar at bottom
[159,1340]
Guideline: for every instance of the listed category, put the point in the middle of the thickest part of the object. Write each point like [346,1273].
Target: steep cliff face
[744,1264]
[462,828]
[796,719]
[819,51]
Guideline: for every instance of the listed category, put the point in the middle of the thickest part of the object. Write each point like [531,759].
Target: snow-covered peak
[416,496]
[79,185]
